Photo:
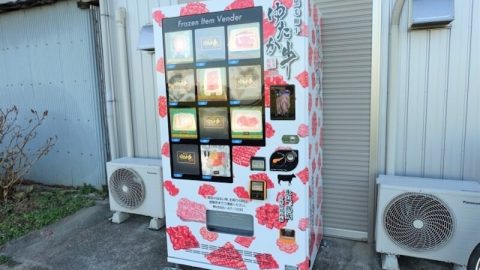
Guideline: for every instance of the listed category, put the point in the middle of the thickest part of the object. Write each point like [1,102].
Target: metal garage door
[347,55]
[47,62]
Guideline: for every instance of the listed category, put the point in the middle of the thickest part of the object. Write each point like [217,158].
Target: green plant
[41,208]
[17,154]
[4,259]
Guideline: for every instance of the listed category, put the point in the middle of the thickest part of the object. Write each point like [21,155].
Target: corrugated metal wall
[141,68]
[438,97]
[347,39]
[47,63]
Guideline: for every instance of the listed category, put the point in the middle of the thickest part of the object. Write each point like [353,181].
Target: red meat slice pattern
[244,241]
[263,177]
[193,8]
[160,65]
[305,265]
[302,78]
[238,4]
[166,150]
[303,175]
[268,29]
[206,190]
[243,154]
[191,211]
[267,215]
[158,16]
[242,193]
[266,261]
[182,238]
[171,188]
[314,124]
[227,256]
[302,130]
[303,224]
[162,106]
[269,131]
[208,235]
[287,247]
[287,3]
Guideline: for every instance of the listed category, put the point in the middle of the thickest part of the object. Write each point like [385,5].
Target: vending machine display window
[185,160]
[246,122]
[183,123]
[181,85]
[215,160]
[244,41]
[212,84]
[210,44]
[179,47]
[213,123]
[214,87]
[245,83]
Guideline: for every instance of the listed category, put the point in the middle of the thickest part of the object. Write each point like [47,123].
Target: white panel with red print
[288,60]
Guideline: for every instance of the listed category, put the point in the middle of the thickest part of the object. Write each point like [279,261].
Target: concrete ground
[88,240]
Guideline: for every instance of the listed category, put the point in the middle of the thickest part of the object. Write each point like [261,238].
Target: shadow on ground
[88,240]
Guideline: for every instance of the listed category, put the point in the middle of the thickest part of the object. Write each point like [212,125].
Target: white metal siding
[141,68]
[438,98]
[347,52]
[47,63]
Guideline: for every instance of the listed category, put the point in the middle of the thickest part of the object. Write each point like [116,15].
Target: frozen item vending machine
[240,111]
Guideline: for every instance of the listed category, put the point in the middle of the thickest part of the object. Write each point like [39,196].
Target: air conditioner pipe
[107,70]
[393,66]
[123,82]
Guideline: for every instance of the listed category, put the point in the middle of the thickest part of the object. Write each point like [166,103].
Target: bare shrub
[17,154]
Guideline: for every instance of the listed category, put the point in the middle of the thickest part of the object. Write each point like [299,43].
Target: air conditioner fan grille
[418,221]
[127,188]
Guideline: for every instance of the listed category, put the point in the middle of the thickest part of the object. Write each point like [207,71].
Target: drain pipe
[393,70]
[123,82]
[107,74]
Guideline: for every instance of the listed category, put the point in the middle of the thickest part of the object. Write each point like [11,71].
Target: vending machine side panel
[315,109]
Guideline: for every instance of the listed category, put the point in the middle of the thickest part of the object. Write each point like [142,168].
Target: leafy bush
[17,155]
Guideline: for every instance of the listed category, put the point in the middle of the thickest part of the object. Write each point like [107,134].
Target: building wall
[141,68]
[47,62]
[437,99]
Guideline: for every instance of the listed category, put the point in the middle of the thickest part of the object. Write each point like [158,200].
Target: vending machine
[240,111]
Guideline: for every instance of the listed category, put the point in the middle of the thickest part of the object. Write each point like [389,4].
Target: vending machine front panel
[240,100]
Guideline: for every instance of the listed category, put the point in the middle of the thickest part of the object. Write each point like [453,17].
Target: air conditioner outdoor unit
[428,218]
[135,186]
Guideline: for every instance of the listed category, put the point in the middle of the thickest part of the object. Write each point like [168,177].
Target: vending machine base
[240,112]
